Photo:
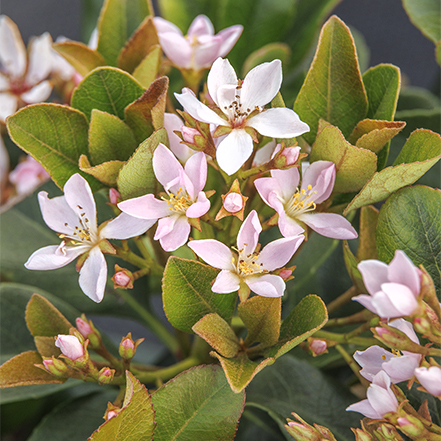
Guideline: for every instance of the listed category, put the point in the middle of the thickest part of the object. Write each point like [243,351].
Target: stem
[150,264]
[152,322]
[358,317]
[351,363]
[343,339]
[210,221]
[342,300]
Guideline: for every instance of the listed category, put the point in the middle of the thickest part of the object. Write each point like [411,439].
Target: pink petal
[372,360]
[214,253]
[70,346]
[381,399]
[163,26]
[229,38]
[401,368]
[264,154]
[321,176]
[329,225]
[279,252]
[366,301]
[206,52]
[403,271]
[279,122]
[48,258]
[172,122]
[93,275]
[196,170]
[199,208]
[221,74]
[234,150]
[165,226]
[40,59]
[406,327]
[12,48]
[365,408]
[288,181]
[430,379]
[201,25]
[374,274]
[145,207]
[265,186]
[178,236]
[248,235]
[268,285]
[261,85]
[38,93]
[177,48]
[125,226]
[226,282]
[288,226]
[165,165]
[57,213]
[401,298]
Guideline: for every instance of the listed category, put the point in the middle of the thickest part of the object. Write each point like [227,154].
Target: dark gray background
[389,34]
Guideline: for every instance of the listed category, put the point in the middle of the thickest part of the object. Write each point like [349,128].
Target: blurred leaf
[423,148]
[218,334]
[148,68]
[109,138]
[107,89]
[367,248]
[412,98]
[177,12]
[426,16]
[354,165]
[351,263]
[135,421]
[208,408]
[20,371]
[147,113]
[288,387]
[410,220]
[266,54]
[54,135]
[137,11]
[136,177]
[107,172]
[80,56]
[333,89]
[187,294]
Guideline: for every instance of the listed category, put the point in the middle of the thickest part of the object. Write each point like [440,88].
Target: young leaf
[333,89]
[54,135]
[107,172]
[187,294]
[426,16]
[351,263]
[410,221]
[148,68]
[267,54]
[420,146]
[108,89]
[204,406]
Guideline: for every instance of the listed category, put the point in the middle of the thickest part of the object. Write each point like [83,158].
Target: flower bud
[233,202]
[411,426]
[88,330]
[286,158]
[105,375]
[361,435]
[111,411]
[285,273]
[127,347]
[114,196]
[123,278]
[395,339]
[317,346]
[188,134]
[55,366]
[83,327]
[70,346]
[302,432]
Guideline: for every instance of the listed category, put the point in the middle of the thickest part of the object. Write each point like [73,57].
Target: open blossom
[73,216]
[242,105]
[23,76]
[28,175]
[380,398]
[430,379]
[200,47]
[185,199]
[297,206]
[393,288]
[248,266]
[399,367]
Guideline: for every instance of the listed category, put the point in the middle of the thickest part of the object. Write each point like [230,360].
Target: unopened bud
[233,202]
[188,134]
[114,196]
[55,366]
[361,435]
[317,346]
[70,346]
[105,375]
[287,157]
[127,347]
[83,327]
[302,432]
[111,411]
[395,339]
[88,330]
[123,278]
[411,426]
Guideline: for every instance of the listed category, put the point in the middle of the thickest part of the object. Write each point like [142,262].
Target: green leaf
[354,165]
[367,248]
[137,11]
[382,85]
[420,148]
[177,12]
[208,408]
[80,56]
[410,220]
[261,316]
[109,138]
[56,136]
[333,89]
[147,70]
[136,177]
[135,421]
[20,371]
[267,54]
[351,263]
[218,334]
[426,16]
[107,172]
[112,30]
[108,89]
[187,293]
[288,387]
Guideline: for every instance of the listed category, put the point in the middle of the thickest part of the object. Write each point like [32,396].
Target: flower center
[246,264]
[178,202]
[81,233]
[301,202]
[236,112]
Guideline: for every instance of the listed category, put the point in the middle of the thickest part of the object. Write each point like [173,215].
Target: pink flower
[23,76]
[70,346]
[73,216]
[242,105]
[200,47]
[297,206]
[380,398]
[249,266]
[430,379]
[399,367]
[393,288]
[28,175]
[185,198]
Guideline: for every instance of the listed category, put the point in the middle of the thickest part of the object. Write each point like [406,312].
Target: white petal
[38,93]
[320,175]
[374,273]
[268,285]
[213,252]
[145,207]
[248,235]
[365,408]
[126,226]
[176,48]
[40,59]
[366,301]
[165,165]
[234,150]
[402,270]
[261,85]
[57,213]
[279,252]
[381,399]
[8,105]
[329,225]
[196,170]
[278,122]
[229,37]
[48,258]
[93,275]
[226,282]
[430,379]
[288,181]
[400,296]
[221,74]
[12,48]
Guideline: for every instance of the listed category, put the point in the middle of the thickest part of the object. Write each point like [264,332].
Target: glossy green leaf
[80,56]
[288,387]
[136,177]
[421,145]
[426,16]
[148,68]
[135,421]
[354,165]
[333,89]
[109,138]
[266,54]
[107,89]
[187,294]
[382,84]
[54,135]
[107,172]
[410,220]
[206,407]
[218,334]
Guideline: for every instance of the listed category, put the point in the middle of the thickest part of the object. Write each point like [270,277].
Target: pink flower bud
[285,273]
[121,279]
[411,426]
[361,435]
[318,346]
[233,202]
[70,346]
[55,366]
[84,327]
[105,375]
[111,414]
[127,347]
[114,196]
[188,133]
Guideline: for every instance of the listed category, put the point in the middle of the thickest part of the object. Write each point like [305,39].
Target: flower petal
[366,301]
[234,150]
[93,275]
[173,123]
[38,93]
[406,327]
[229,38]
[288,181]
[374,273]
[381,399]
[401,368]
[365,408]
[47,258]
[226,282]
[430,379]
[288,226]
[201,25]
[196,170]
[145,207]
[400,296]
[177,49]
[268,285]
[163,26]
[40,59]
[8,105]
[320,175]
[213,252]
[265,186]
[165,165]
[178,236]
[248,235]
[402,270]
[221,74]
[125,226]
[279,122]
[372,360]
[199,208]
[12,48]
[279,252]
[329,225]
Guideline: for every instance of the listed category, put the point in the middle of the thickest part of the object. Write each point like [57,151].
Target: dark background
[390,36]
